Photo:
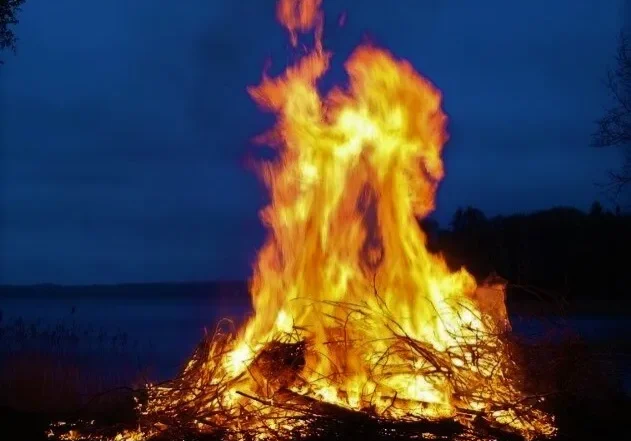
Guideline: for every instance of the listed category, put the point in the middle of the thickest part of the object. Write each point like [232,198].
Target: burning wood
[275,399]
[356,325]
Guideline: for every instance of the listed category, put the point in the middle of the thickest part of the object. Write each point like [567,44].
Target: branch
[8,18]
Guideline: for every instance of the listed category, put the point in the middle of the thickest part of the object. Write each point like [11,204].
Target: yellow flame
[355,170]
[299,16]
[345,271]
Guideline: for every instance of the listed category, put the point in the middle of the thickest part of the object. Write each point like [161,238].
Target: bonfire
[357,328]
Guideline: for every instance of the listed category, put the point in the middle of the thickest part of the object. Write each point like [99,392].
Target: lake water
[165,329]
[168,328]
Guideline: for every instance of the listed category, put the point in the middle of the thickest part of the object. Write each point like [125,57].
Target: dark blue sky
[125,125]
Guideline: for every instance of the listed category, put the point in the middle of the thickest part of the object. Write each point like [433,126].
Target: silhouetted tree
[8,17]
[431,227]
[467,219]
[614,128]
[596,209]
[563,251]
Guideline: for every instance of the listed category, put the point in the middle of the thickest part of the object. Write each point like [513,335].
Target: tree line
[565,251]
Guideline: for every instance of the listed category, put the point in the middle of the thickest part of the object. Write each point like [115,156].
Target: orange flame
[345,265]
[299,16]
[345,271]
[354,171]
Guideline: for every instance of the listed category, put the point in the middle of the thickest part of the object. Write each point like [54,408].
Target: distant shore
[130,290]
[236,291]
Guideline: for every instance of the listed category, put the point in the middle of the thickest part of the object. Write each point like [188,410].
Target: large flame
[345,265]
[355,170]
[378,324]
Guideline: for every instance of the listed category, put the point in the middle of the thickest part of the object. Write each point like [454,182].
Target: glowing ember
[350,308]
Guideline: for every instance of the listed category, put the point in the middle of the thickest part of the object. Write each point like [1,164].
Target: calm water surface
[167,329]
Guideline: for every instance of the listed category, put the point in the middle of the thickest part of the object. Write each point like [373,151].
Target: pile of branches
[194,405]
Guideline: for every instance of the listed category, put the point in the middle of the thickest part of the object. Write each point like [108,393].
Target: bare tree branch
[614,128]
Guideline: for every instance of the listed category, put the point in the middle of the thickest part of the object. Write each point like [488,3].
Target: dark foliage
[8,18]
[562,253]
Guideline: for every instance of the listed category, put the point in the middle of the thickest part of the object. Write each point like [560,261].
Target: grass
[59,367]
[586,381]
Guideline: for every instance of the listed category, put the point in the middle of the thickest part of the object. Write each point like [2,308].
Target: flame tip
[350,306]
